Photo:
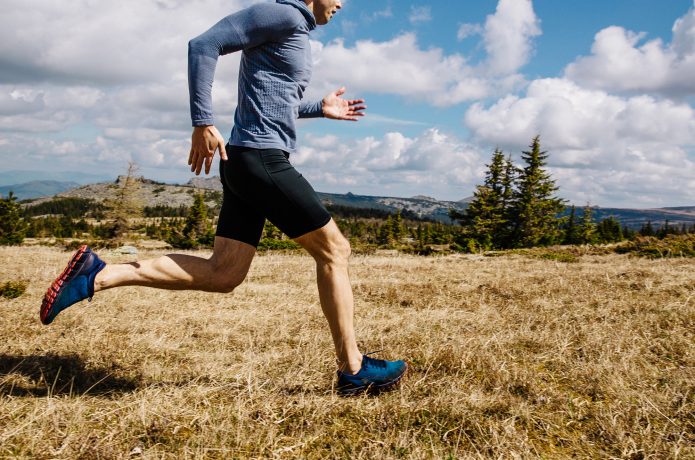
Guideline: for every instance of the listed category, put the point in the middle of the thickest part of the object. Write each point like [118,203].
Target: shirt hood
[301,6]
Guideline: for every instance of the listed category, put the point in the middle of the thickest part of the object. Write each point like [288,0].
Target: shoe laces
[373,361]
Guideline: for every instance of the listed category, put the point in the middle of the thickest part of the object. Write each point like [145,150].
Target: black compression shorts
[259,184]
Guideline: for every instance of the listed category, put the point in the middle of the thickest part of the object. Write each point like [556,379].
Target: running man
[258,180]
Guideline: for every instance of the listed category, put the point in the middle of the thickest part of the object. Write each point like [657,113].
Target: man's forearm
[312,109]
[201,71]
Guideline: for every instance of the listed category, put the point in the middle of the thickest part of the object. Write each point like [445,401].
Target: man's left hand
[337,108]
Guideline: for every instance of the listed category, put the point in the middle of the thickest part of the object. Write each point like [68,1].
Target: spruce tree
[587,228]
[12,226]
[485,218]
[385,235]
[126,204]
[397,227]
[647,229]
[536,209]
[198,228]
[571,230]
[609,230]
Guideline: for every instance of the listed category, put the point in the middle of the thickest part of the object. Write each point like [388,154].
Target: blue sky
[607,85]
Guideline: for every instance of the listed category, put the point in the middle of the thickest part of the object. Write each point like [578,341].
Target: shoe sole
[374,389]
[57,285]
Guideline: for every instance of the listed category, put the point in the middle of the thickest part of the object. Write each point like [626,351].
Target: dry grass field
[511,357]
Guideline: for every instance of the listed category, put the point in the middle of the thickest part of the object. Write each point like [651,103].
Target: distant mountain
[635,218]
[423,206]
[21,176]
[37,188]
[154,193]
[150,193]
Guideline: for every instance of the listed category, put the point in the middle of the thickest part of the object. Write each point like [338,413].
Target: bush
[274,243]
[12,289]
[655,248]
[12,226]
[559,256]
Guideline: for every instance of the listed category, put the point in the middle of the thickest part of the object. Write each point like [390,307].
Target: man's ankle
[351,366]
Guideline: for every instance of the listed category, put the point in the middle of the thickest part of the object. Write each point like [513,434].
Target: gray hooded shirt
[275,71]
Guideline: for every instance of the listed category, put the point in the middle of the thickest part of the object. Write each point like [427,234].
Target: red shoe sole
[53,291]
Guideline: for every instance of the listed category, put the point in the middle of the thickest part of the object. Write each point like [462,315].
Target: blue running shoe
[74,284]
[375,376]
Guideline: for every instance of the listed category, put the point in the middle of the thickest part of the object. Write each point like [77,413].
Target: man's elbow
[194,45]
[199,45]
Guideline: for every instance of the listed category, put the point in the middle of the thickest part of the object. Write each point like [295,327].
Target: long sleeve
[248,28]
[312,109]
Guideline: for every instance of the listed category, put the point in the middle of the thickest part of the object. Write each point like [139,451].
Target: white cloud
[508,35]
[114,43]
[620,61]
[403,69]
[401,165]
[387,12]
[420,14]
[468,30]
[635,146]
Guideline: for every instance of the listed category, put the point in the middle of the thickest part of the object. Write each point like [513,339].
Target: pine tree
[535,206]
[485,218]
[587,228]
[385,234]
[126,204]
[198,229]
[571,236]
[397,227]
[647,229]
[12,226]
[609,230]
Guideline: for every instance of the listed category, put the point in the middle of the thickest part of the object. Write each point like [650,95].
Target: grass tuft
[12,289]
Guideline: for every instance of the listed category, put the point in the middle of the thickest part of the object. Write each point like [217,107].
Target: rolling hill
[153,193]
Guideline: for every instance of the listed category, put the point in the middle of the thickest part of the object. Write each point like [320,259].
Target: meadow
[510,357]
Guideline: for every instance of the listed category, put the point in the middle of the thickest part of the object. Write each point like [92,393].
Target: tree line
[514,207]
[517,207]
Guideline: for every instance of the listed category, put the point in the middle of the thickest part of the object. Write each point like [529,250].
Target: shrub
[559,256]
[655,248]
[12,226]
[274,243]
[12,289]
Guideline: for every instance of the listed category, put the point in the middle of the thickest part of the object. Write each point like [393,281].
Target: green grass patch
[12,289]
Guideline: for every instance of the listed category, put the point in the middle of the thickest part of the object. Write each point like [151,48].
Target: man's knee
[338,250]
[228,265]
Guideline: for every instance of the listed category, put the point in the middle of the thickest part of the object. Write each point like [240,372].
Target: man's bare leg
[222,272]
[331,251]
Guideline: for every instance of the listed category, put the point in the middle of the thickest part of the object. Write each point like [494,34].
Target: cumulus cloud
[114,75]
[121,43]
[429,74]
[434,161]
[404,69]
[508,35]
[630,145]
[621,60]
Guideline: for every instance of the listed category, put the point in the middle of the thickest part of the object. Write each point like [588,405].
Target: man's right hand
[204,142]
